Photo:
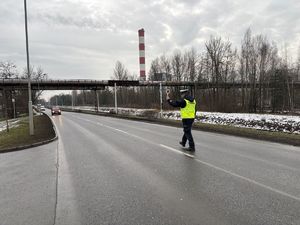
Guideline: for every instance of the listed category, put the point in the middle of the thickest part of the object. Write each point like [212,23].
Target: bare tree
[133,76]
[178,66]
[246,51]
[264,50]
[259,71]
[8,70]
[298,65]
[165,64]
[218,50]
[154,68]
[37,74]
[200,67]
[120,72]
[191,59]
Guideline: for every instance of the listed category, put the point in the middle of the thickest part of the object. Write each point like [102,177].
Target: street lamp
[14,106]
[31,128]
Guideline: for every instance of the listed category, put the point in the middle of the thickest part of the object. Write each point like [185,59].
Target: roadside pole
[14,106]
[6,113]
[31,128]
[161,101]
[72,101]
[116,100]
[97,96]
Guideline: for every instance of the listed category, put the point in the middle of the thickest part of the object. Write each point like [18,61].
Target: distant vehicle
[38,107]
[42,108]
[55,110]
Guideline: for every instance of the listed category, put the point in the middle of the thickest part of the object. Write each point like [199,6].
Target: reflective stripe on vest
[188,112]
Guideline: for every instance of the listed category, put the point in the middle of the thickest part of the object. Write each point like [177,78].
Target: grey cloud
[82,22]
[87,37]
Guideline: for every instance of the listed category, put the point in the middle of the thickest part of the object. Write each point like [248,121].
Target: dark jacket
[181,103]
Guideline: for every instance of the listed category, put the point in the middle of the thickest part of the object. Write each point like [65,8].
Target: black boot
[191,149]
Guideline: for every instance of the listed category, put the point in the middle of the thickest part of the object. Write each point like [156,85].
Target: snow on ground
[283,123]
[11,124]
[123,111]
[268,122]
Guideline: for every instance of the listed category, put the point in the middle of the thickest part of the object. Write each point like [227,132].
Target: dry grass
[19,136]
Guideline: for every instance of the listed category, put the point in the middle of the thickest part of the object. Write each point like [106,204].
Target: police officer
[187,106]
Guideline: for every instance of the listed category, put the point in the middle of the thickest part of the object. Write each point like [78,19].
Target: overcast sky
[84,38]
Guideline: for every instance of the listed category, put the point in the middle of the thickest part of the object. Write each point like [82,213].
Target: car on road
[42,108]
[55,110]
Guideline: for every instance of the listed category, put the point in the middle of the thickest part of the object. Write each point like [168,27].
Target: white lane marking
[172,149]
[66,208]
[226,152]
[279,145]
[212,166]
[177,151]
[251,181]
[120,130]
[247,157]
[239,176]
[189,155]
[230,153]
[129,134]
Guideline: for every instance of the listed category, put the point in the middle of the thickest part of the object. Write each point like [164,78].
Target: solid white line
[211,165]
[172,149]
[248,157]
[120,130]
[124,132]
[239,176]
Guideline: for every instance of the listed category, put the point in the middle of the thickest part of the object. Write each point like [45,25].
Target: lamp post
[31,128]
[14,106]
[116,99]
[161,101]
[72,100]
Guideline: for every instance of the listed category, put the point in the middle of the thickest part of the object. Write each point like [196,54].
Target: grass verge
[278,137]
[19,136]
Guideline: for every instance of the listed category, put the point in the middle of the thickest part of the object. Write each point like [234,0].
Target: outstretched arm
[175,103]
[181,103]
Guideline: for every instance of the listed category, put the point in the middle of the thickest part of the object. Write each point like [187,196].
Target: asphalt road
[114,171]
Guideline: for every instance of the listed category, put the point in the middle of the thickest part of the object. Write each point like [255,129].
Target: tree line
[266,77]
[15,102]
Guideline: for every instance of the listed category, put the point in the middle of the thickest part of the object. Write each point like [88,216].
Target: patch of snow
[11,124]
[266,122]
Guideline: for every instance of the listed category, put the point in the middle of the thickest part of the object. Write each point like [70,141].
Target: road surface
[114,171]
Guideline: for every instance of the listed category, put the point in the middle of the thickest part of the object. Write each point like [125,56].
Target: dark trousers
[187,129]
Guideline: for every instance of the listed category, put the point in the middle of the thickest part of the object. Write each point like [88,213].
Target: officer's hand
[168,94]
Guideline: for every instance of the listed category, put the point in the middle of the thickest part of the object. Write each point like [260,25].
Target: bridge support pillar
[96,100]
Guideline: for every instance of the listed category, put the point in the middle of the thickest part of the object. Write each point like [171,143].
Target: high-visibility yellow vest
[189,111]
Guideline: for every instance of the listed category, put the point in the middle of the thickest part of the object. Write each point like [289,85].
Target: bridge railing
[77,84]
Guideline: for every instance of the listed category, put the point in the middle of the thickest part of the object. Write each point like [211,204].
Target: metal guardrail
[54,84]
[84,84]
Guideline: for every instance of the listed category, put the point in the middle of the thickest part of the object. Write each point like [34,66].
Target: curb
[19,148]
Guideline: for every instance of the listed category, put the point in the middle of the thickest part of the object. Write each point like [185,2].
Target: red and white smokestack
[142,54]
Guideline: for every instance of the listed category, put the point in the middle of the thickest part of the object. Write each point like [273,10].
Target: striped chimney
[142,54]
